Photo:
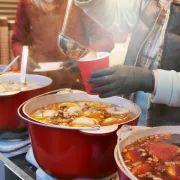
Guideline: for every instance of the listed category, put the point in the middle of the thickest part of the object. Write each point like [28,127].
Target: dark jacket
[159,115]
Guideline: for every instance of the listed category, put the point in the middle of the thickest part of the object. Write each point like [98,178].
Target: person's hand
[31,65]
[121,79]
[70,65]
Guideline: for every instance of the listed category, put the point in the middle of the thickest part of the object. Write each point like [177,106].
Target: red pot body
[122,176]
[9,105]
[121,172]
[71,154]
[67,153]
[130,135]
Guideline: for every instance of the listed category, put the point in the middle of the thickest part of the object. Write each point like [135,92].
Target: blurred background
[7,19]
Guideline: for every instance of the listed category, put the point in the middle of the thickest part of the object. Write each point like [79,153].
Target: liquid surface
[6,87]
[154,157]
[82,114]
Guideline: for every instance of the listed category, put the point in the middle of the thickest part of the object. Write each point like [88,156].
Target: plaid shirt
[151,51]
[153,48]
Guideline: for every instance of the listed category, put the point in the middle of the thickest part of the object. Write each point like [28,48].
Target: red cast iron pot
[123,175]
[9,104]
[128,135]
[65,152]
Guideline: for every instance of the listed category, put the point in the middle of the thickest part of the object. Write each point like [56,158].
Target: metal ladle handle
[24,64]
[68,10]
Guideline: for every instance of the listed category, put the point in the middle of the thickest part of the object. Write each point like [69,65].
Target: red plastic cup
[87,66]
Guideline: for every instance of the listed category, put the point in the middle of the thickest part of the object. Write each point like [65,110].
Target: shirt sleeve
[114,15]
[21,29]
[168,88]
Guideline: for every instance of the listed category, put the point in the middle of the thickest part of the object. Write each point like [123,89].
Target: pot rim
[97,127]
[49,82]
[84,130]
[118,163]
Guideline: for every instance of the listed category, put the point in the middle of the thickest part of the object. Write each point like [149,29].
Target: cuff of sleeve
[164,88]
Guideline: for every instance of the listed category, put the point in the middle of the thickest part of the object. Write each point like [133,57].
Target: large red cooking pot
[9,103]
[128,135]
[65,152]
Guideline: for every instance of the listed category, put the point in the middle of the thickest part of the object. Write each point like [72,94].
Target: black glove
[121,79]
[31,65]
[70,65]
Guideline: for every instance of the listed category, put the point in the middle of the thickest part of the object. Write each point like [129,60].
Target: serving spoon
[9,65]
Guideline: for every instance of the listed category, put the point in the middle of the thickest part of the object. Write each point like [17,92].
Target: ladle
[24,65]
[66,18]
[68,46]
[71,48]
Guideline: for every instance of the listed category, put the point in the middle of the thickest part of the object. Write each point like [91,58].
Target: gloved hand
[31,65]
[121,79]
[70,65]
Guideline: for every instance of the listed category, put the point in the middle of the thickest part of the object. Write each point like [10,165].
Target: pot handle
[52,92]
[126,130]
[41,95]
[95,130]
[21,115]
[103,131]
[20,112]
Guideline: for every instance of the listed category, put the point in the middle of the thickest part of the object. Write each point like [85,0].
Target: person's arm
[21,29]
[20,35]
[168,88]
[99,38]
[114,15]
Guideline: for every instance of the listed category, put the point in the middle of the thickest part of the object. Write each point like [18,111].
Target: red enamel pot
[130,134]
[68,153]
[9,104]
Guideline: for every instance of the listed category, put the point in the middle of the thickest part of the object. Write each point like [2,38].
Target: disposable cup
[89,65]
